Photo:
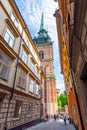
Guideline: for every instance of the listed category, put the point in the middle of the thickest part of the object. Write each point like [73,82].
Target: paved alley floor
[52,125]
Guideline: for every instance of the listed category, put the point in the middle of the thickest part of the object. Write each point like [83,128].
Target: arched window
[41,53]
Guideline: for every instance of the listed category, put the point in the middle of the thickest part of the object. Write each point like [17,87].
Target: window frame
[36,109]
[18,104]
[32,66]
[37,89]
[10,37]
[22,74]
[30,107]
[24,56]
[41,53]
[31,85]
[6,65]
[14,20]
[37,73]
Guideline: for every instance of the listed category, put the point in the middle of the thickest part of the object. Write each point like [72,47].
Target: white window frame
[9,37]
[32,66]
[4,64]
[26,41]
[31,85]
[37,73]
[37,90]
[24,57]
[13,18]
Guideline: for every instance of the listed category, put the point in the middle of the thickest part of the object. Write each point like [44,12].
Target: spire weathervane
[42,23]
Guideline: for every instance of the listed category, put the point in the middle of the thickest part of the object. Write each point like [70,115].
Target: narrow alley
[52,125]
[43,64]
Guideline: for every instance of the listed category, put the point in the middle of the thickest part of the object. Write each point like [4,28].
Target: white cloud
[61,86]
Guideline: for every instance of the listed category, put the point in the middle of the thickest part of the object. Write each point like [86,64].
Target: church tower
[45,48]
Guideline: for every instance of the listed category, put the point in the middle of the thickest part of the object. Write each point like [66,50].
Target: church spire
[43,37]
[42,23]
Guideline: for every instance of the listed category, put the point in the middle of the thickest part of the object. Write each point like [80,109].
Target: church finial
[42,23]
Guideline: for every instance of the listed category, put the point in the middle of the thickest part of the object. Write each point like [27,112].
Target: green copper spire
[43,37]
[42,23]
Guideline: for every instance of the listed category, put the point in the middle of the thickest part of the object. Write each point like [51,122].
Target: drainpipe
[14,81]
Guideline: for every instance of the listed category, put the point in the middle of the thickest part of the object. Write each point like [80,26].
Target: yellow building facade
[65,27]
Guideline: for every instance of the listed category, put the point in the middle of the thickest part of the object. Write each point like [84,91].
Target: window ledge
[12,26]
[3,78]
[29,115]
[31,92]
[18,118]
[21,87]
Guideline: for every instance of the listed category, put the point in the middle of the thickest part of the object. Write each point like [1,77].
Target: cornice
[8,88]
[24,26]
[4,9]
[9,21]
[13,28]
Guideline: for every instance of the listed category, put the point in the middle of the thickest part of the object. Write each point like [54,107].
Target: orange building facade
[73,56]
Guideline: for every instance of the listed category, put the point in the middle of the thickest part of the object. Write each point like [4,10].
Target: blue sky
[31,11]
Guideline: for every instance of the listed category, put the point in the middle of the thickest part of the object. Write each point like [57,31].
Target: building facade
[45,49]
[71,21]
[20,73]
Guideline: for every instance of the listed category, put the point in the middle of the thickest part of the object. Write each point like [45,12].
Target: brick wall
[11,121]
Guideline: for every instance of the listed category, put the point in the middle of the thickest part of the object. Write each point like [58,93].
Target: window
[26,41]
[37,89]
[1,100]
[24,57]
[9,38]
[30,109]
[41,53]
[22,79]
[32,66]
[36,109]
[31,86]
[4,66]
[37,73]
[18,109]
[14,20]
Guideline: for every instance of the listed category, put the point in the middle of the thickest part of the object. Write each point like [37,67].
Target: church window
[41,53]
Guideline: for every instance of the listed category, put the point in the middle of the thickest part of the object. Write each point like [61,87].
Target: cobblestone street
[52,125]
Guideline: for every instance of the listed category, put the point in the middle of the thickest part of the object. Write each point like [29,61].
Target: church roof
[43,37]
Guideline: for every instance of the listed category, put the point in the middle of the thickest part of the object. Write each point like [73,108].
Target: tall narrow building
[45,49]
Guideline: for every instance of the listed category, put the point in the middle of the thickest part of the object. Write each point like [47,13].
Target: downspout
[14,81]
